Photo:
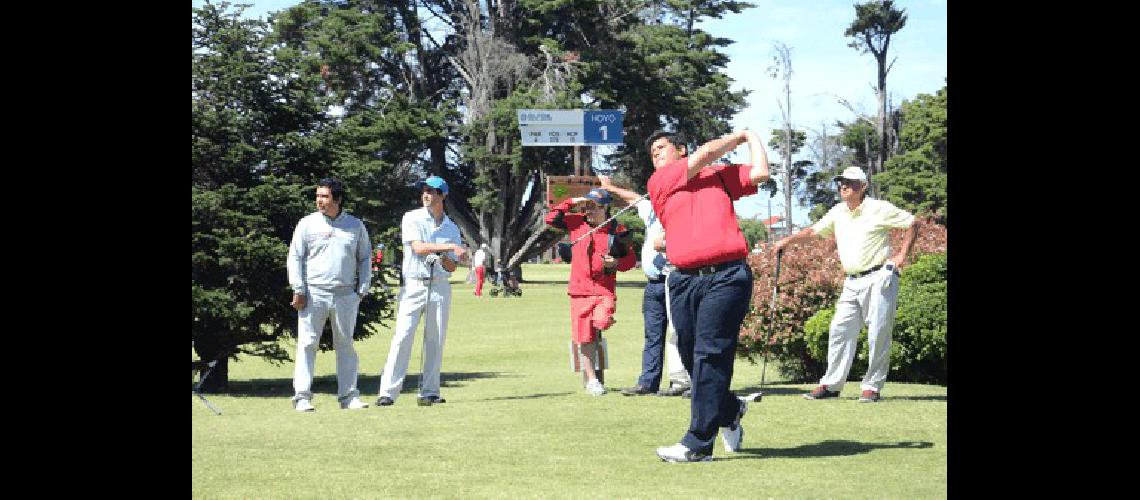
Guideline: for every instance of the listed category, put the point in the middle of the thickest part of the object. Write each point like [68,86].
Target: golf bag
[508,285]
[565,252]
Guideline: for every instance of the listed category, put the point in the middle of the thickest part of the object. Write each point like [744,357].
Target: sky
[824,68]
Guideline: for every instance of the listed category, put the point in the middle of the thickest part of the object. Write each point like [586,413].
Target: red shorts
[588,313]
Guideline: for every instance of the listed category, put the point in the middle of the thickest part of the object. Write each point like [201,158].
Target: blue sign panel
[602,126]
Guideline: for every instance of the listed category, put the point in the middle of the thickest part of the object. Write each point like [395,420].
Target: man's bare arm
[625,194]
[908,241]
[759,156]
[713,150]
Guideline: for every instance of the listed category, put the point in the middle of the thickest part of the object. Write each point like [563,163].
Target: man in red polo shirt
[593,276]
[712,287]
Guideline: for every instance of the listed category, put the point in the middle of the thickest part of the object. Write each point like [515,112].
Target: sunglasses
[848,184]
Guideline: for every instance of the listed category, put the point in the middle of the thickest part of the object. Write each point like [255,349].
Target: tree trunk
[882,123]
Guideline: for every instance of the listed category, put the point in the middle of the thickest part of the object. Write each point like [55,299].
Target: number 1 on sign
[603,129]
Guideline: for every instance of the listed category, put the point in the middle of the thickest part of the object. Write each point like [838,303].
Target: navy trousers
[656,322]
[707,313]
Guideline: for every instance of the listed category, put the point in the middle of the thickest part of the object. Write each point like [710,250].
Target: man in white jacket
[329,273]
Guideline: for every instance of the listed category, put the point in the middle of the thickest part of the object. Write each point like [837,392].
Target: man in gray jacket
[329,272]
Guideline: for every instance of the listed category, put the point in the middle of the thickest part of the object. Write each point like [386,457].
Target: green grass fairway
[517,423]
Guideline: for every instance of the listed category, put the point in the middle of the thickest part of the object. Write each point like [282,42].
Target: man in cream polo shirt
[862,235]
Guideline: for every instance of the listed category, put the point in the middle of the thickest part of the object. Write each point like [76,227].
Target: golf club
[198,386]
[430,260]
[756,396]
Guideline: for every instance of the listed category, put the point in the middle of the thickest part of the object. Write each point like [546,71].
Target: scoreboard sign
[561,187]
[570,127]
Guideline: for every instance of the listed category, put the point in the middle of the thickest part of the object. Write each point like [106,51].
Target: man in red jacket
[593,275]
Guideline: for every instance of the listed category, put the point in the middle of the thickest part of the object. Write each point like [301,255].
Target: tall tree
[261,137]
[854,145]
[915,177]
[874,23]
[786,145]
[394,95]
[647,58]
[782,68]
[819,193]
[236,115]
[670,76]
[479,61]
[494,205]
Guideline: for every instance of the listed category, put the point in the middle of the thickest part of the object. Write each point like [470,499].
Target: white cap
[852,173]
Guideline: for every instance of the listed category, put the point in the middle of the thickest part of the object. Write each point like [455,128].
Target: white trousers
[341,305]
[414,299]
[869,300]
[677,373]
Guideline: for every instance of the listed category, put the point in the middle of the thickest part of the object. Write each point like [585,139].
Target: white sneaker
[594,387]
[681,453]
[353,404]
[733,435]
[303,405]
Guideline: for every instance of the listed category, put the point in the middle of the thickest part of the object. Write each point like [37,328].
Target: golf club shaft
[423,314]
[771,313]
[208,405]
[198,387]
[614,216]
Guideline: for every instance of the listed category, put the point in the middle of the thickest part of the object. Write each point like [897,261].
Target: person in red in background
[593,275]
[479,260]
[379,257]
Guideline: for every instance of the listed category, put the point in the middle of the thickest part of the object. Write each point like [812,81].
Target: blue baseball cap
[433,181]
[599,196]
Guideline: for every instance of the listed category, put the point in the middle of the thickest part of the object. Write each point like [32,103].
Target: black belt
[864,273]
[701,271]
[657,280]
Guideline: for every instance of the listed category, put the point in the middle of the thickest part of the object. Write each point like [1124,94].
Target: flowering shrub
[811,279]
